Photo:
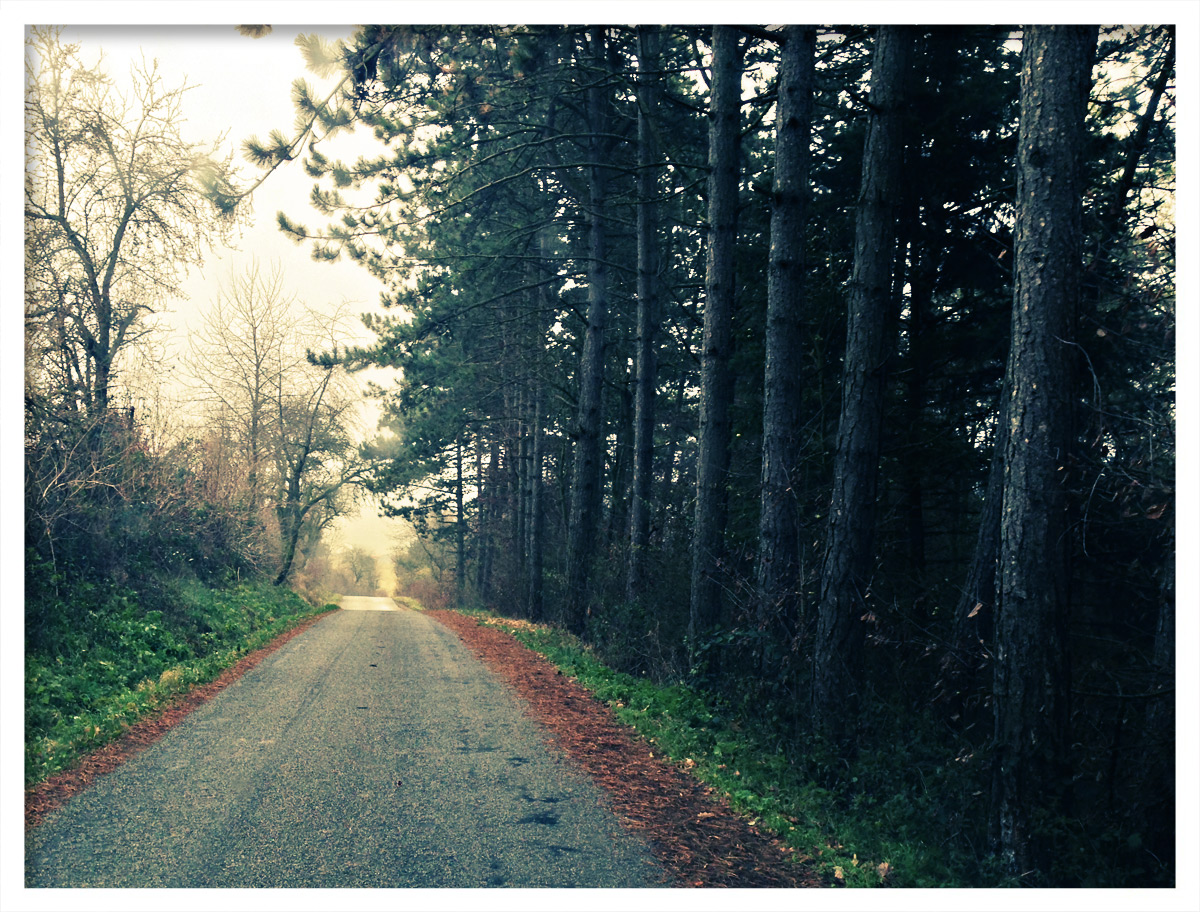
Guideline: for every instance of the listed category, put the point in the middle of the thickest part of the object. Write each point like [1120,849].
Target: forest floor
[694,835]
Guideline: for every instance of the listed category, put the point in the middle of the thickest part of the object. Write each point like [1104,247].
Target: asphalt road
[373,750]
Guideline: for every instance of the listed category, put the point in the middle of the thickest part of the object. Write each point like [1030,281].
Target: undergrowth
[109,660]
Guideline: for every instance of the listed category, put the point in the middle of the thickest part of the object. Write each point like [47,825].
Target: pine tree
[846,575]
[779,532]
[716,376]
[1032,680]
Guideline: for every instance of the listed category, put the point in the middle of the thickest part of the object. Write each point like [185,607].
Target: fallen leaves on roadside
[55,791]
[653,796]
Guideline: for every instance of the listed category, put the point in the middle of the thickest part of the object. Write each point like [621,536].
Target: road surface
[374,750]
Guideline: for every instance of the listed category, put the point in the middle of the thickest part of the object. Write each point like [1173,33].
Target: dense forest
[827,369]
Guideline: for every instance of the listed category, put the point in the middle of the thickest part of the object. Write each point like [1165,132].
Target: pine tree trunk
[779,537]
[541,307]
[849,556]
[716,375]
[1031,685]
[669,479]
[481,516]
[460,526]
[489,511]
[537,523]
[619,492]
[521,514]
[974,614]
[920,277]
[647,315]
[589,449]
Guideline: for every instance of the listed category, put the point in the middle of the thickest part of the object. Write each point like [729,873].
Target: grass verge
[117,663]
[856,836]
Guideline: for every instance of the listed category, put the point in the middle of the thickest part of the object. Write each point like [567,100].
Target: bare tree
[289,420]
[247,344]
[363,569]
[119,202]
[313,453]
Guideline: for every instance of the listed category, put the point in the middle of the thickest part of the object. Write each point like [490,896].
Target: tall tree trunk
[537,522]
[541,307]
[621,473]
[290,519]
[1031,672]
[589,449]
[669,479]
[712,465]
[481,516]
[521,514]
[847,566]
[923,208]
[647,313]
[460,526]
[489,513]
[779,535]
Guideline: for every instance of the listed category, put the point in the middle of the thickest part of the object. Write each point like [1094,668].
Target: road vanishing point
[374,750]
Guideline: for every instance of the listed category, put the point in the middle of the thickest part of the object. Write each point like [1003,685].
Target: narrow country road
[374,750]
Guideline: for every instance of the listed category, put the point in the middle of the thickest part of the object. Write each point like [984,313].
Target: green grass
[876,822]
[110,663]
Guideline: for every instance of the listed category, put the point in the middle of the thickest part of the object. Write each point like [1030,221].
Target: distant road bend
[374,750]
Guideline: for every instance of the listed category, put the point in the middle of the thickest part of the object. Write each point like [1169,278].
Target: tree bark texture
[460,526]
[779,541]
[647,315]
[535,605]
[537,522]
[589,444]
[716,374]
[521,513]
[847,566]
[1031,674]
